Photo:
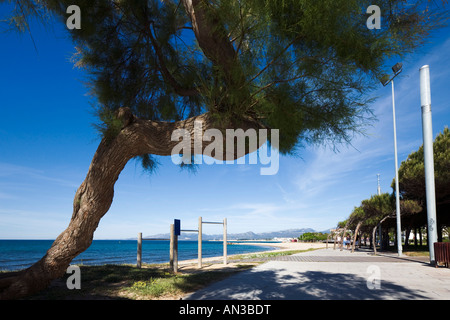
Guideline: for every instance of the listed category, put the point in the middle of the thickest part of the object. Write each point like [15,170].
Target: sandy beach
[216,262]
[288,245]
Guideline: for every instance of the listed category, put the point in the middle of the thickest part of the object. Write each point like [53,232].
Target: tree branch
[94,196]
[213,41]
[179,89]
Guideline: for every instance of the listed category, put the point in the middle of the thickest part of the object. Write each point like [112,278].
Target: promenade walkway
[334,274]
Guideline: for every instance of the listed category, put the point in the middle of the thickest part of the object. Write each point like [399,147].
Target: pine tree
[412,180]
[301,66]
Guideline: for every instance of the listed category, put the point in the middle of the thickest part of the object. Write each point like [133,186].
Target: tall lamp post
[425,101]
[397,69]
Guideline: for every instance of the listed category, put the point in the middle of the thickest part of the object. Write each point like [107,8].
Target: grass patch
[266,255]
[175,285]
[416,253]
[115,282]
[413,251]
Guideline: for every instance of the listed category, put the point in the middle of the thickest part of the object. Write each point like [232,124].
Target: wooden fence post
[173,249]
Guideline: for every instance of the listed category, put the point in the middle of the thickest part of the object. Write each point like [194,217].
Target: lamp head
[385,79]
[397,67]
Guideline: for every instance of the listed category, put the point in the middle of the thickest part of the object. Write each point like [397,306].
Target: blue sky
[47,143]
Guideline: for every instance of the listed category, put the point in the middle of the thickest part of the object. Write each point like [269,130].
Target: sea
[20,254]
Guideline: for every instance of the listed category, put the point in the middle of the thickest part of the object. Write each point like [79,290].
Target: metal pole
[225,241]
[397,193]
[139,250]
[379,225]
[175,254]
[425,101]
[200,242]
[172,237]
[378,187]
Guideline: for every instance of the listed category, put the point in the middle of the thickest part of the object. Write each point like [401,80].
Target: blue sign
[177,227]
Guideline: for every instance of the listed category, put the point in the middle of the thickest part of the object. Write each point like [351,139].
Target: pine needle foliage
[412,172]
[304,67]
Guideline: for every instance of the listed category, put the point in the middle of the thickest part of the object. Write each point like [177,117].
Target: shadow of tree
[309,285]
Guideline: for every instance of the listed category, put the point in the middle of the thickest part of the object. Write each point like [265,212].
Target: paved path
[334,274]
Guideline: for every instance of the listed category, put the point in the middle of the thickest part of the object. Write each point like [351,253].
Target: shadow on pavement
[309,285]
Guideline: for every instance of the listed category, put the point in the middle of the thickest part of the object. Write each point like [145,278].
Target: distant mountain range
[291,233]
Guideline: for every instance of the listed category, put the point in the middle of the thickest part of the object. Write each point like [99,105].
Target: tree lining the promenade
[379,210]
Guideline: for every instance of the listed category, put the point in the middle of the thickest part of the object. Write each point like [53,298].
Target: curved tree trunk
[95,195]
[335,239]
[341,245]
[373,235]
[343,233]
[374,242]
[355,236]
[137,137]
[92,200]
